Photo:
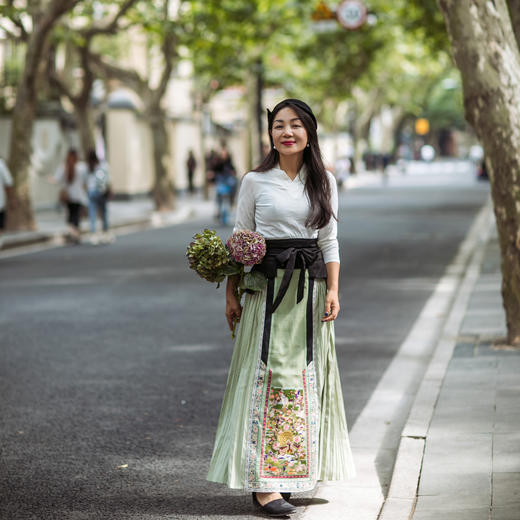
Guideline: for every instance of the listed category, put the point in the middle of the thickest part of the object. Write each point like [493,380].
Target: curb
[402,495]
[155,220]
[38,237]
[376,434]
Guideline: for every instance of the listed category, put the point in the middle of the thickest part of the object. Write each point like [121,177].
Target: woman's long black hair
[92,160]
[317,185]
[70,165]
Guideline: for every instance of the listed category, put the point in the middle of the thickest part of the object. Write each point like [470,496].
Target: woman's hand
[331,305]
[233,310]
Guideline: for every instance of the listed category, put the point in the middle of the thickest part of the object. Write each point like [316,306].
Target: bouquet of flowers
[213,261]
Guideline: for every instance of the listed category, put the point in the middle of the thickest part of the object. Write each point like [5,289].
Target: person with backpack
[98,189]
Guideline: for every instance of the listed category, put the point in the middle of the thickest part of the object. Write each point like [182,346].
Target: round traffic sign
[351,14]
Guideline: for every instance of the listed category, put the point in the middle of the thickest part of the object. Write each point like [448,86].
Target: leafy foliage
[424,20]
[227,39]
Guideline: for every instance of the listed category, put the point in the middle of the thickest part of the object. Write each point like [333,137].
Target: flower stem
[238,293]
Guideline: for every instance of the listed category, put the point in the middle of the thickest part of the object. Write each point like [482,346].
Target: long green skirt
[282,426]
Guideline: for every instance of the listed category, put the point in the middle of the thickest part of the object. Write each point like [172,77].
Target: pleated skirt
[282,425]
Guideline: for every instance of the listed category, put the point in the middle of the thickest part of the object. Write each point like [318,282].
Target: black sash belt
[290,254]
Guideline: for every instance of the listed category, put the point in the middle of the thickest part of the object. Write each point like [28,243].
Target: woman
[98,187]
[282,426]
[72,193]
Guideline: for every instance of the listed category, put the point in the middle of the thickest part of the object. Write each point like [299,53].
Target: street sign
[351,14]
[323,12]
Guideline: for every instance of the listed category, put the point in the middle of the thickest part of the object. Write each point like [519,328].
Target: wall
[129,152]
[185,135]
[50,144]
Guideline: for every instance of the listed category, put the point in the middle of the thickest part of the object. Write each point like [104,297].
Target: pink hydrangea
[246,247]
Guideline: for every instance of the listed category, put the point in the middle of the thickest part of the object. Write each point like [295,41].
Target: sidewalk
[137,213]
[471,464]
[458,454]
[461,461]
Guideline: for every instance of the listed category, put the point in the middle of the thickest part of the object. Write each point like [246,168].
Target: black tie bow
[288,258]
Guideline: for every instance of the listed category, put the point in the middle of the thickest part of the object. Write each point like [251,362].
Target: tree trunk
[487,54]
[398,130]
[366,106]
[205,183]
[82,108]
[260,106]
[163,189]
[21,216]
[254,136]
[83,115]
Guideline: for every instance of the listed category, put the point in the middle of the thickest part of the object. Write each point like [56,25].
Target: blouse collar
[301,174]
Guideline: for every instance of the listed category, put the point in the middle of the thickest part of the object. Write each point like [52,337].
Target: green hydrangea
[209,258]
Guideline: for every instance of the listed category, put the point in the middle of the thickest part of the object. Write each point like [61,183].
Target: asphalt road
[114,358]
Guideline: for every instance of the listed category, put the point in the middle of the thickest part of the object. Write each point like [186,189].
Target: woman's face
[288,133]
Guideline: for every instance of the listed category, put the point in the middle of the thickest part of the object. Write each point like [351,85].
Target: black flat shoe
[277,507]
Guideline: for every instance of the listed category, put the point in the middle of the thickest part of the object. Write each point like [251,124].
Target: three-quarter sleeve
[245,215]
[328,235]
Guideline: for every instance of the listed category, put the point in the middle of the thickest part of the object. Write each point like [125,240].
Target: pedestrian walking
[211,161]
[71,178]
[98,189]
[191,164]
[6,183]
[342,169]
[225,186]
[282,425]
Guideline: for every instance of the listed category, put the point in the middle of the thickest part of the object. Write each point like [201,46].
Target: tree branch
[11,35]
[23,31]
[110,27]
[60,7]
[56,9]
[56,82]
[11,13]
[109,70]
[169,52]
[88,74]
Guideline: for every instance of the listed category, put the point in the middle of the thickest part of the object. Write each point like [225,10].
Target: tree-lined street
[146,114]
[115,359]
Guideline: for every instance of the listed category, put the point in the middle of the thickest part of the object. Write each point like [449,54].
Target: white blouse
[76,189]
[270,203]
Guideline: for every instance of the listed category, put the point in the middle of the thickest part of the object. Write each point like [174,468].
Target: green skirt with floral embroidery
[282,425]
